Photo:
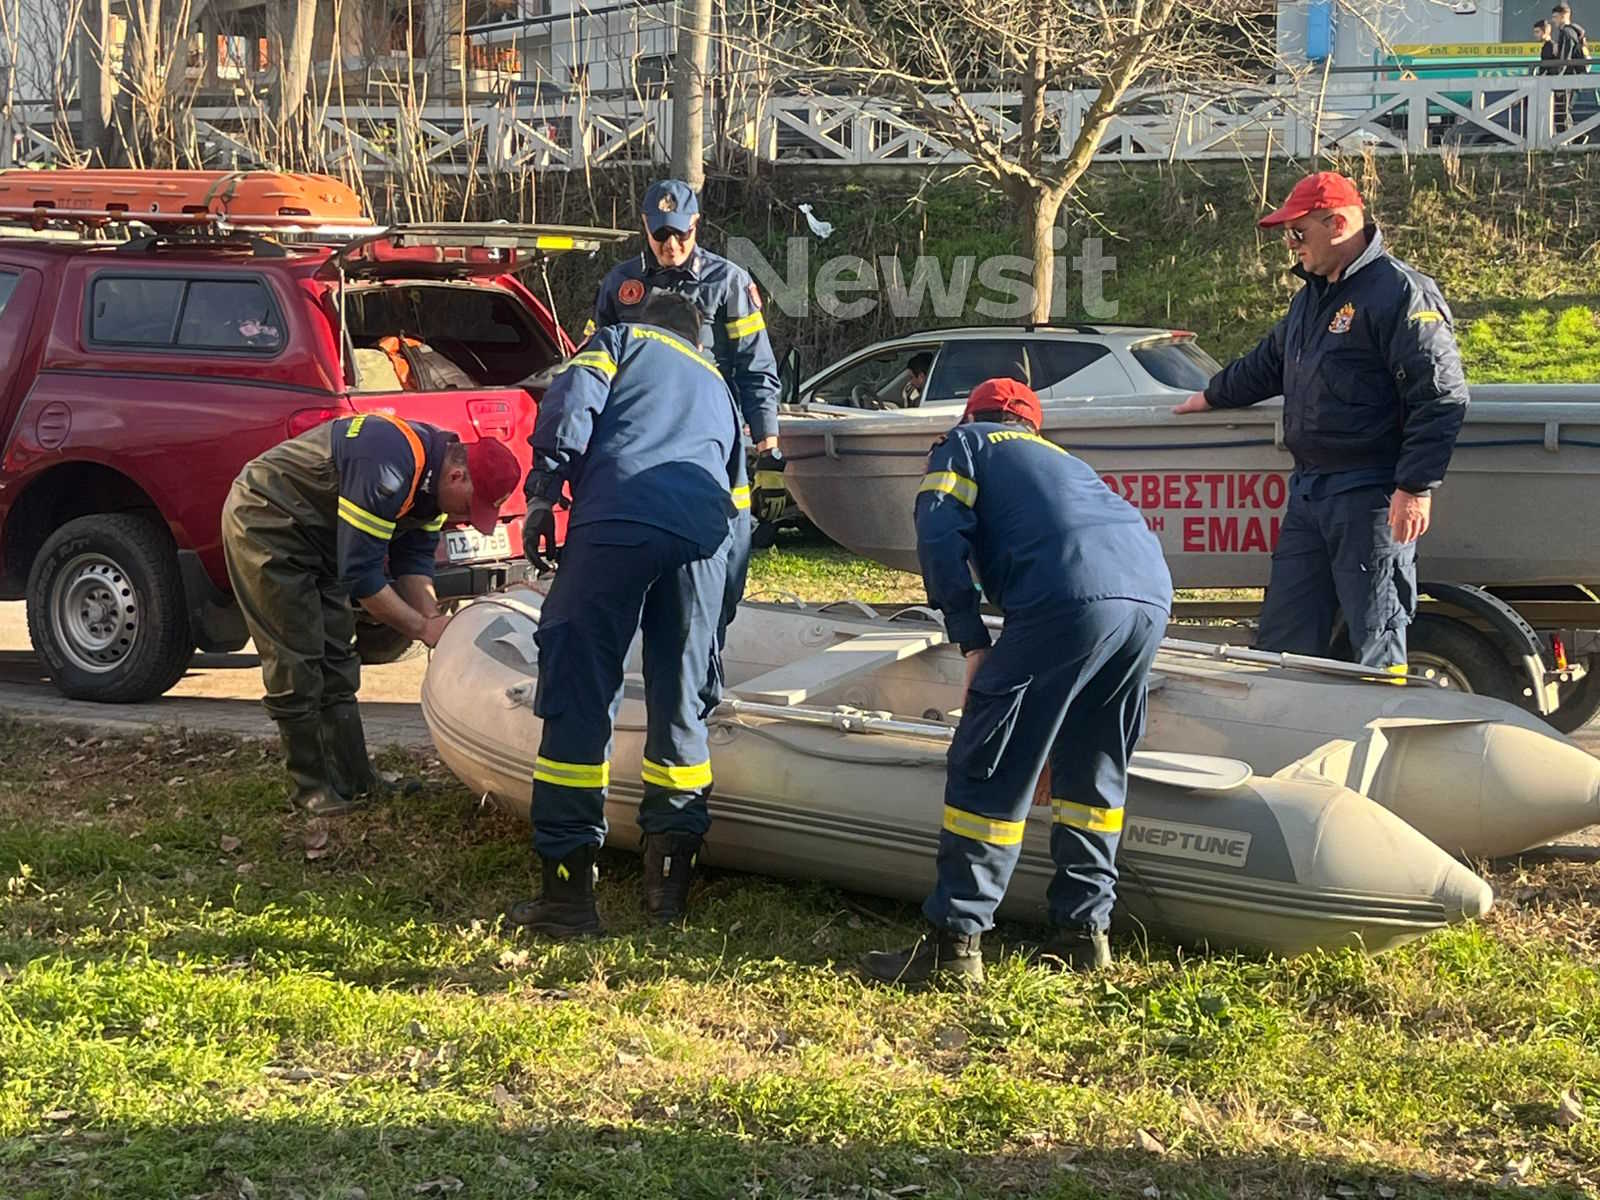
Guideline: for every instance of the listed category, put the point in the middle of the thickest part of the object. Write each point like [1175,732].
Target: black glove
[768,497]
[543,493]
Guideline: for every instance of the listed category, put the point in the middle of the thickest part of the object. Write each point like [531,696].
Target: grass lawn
[203,995]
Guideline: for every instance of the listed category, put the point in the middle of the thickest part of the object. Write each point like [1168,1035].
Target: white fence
[1414,117]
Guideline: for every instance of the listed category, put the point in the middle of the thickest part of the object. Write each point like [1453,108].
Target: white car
[1062,363]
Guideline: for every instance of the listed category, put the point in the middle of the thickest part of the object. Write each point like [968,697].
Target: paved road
[223,692]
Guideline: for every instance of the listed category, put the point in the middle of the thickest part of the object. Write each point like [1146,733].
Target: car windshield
[1177,363]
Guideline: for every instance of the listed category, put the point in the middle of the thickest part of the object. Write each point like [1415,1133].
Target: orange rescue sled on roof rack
[246,200]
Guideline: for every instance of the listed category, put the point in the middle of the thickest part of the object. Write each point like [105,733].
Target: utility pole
[689,93]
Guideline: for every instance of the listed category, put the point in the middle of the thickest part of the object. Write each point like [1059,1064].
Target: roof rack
[177,202]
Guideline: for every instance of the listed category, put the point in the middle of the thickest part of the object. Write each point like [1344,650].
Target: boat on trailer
[1243,829]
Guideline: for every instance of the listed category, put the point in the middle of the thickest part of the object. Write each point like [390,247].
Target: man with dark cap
[643,429]
[1373,398]
[1086,595]
[733,330]
[311,524]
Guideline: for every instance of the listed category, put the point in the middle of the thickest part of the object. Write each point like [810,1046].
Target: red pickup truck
[138,377]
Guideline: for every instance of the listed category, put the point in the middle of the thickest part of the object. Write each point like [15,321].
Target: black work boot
[315,792]
[346,744]
[937,954]
[669,862]
[565,907]
[1076,948]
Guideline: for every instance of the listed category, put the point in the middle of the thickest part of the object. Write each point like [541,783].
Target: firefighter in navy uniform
[1086,595]
[309,525]
[732,329]
[643,429]
[1373,398]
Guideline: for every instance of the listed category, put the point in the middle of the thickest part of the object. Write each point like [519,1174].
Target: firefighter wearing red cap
[311,524]
[1373,398]
[1086,595]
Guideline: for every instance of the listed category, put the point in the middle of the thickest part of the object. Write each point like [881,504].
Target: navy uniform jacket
[376,466]
[732,326]
[1369,371]
[1036,529]
[643,428]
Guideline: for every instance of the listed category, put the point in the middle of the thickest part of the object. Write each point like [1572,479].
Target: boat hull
[1213,486]
[1282,865]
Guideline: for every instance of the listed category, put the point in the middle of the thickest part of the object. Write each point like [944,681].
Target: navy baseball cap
[670,204]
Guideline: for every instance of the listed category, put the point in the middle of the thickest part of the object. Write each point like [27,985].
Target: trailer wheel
[1579,701]
[1467,660]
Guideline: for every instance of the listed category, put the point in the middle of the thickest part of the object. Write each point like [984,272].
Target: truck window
[191,314]
[8,284]
[137,312]
[229,314]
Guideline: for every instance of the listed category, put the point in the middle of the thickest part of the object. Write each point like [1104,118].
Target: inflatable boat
[813,784]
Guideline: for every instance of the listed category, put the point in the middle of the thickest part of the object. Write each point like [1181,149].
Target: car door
[19,297]
[964,363]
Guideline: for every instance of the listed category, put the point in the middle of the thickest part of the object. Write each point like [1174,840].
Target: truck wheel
[1579,701]
[106,609]
[1467,660]
[377,644]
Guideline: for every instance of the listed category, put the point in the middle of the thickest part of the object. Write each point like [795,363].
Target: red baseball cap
[1315,193]
[495,475]
[1005,395]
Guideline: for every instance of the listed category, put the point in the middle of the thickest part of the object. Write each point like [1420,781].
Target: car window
[135,311]
[966,363]
[229,314]
[192,314]
[1054,361]
[880,379]
[8,284]
[1178,363]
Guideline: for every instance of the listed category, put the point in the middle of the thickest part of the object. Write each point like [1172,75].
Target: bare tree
[992,79]
[293,23]
[689,92]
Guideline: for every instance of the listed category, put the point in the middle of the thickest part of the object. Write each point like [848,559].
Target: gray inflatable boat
[811,783]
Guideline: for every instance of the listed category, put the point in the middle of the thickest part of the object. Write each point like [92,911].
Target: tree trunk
[298,20]
[94,81]
[689,93]
[1039,209]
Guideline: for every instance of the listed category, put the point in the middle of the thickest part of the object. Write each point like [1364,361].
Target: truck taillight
[1559,652]
[309,418]
[491,418]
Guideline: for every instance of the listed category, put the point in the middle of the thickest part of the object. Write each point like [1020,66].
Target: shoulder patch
[754,293]
[630,291]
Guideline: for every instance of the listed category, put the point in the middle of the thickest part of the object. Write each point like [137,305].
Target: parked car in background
[1063,363]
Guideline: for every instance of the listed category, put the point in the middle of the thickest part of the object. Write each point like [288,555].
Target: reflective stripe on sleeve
[951,484]
[745,326]
[353,514]
[598,359]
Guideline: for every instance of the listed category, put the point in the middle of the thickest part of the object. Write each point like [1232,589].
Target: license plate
[463,545]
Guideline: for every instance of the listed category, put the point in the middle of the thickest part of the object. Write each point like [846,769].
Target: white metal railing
[1415,117]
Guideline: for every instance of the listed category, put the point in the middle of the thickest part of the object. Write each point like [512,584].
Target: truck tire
[106,609]
[378,644]
[1470,661]
[1579,701]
